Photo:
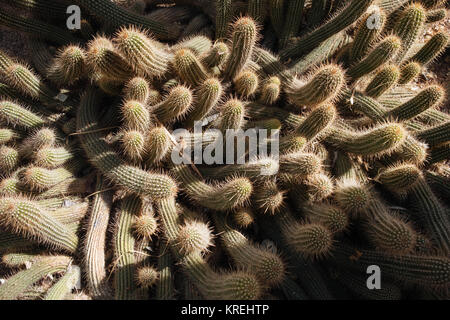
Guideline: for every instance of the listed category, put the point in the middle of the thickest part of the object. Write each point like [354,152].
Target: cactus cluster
[98,185]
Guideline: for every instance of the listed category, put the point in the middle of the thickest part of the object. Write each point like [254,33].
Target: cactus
[357,153]
[94,245]
[323,87]
[369,28]
[408,27]
[22,280]
[223,16]
[24,217]
[243,41]
[339,22]
[409,72]
[64,285]
[381,54]
[146,55]
[246,83]
[415,269]
[384,80]
[68,67]
[431,49]
[227,196]
[189,68]
[132,178]
[175,106]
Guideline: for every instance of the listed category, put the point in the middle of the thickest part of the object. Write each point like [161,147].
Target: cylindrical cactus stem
[189,68]
[175,105]
[49,157]
[300,165]
[124,284]
[17,115]
[9,159]
[436,15]
[270,91]
[208,95]
[330,216]
[193,236]
[243,40]
[439,153]
[268,198]
[239,285]
[345,18]
[94,248]
[375,142]
[243,217]
[198,45]
[368,30]
[255,169]
[319,10]
[41,179]
[109,163]
[25,217]
[439,182]
[11,187]
[37,28]
[435,135]
[317,122]
[65,284]
[165,284]
[41,8]
[270,65]
[365,105]
[325,85]
[383,81]
[116,16]
[277,15]
[8,135]
[353,196]
[158,145]
[216,56]
[246,83]
[229,195]
[232,115]
[293,19]
[104,59]
[431,4]
[313,189]
[133,145]
[266,265]
[381,54]
[257,9]
[311,240]
[411,150]
[432,212]
[409,71]
[408,27]
[146,56]
[68,66]
[137,89]
[399,178]
[391,234]
[428,98]
[74,212]
[69,186]
[211,285]
[21,281]
[224,14]
[428,271]
[135,115]
[432,49]
[195,25]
